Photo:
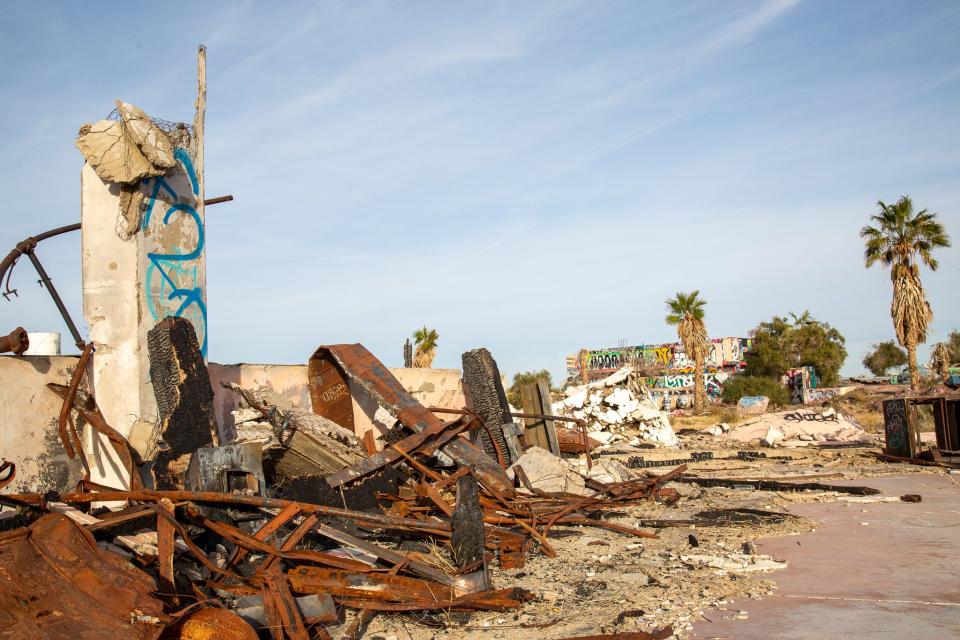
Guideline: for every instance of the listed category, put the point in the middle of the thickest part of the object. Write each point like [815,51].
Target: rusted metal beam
[335,365]
[27,247]
[386,592]
[363,518]
[394,452]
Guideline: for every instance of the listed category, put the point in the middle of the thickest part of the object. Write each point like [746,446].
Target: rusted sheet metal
[571,441]
[166,534]
[330,392]
[512,552]
[358,366]
[16,342]
[387,592]
[287,613]
[55,583]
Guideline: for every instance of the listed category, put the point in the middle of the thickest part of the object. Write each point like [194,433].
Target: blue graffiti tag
[172,267]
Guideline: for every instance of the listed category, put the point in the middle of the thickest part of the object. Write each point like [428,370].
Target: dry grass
[715,414]
[863,406]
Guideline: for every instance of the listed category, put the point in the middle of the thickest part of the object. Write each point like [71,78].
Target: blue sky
[533,177]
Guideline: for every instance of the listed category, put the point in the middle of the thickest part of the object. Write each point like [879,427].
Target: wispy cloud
[746,27]
[438,158]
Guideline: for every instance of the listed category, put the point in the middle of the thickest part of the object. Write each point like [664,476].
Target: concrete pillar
[136,274]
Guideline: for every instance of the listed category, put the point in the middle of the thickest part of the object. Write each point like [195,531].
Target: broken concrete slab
[549,473]
[113,154]
[801,428]
[610,471]
[735,562]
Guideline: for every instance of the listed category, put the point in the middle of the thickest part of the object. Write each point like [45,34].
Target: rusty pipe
[62,308]
[217,200]
[534,416]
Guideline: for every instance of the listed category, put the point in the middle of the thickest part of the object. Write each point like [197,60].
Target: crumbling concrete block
[149,138]
[113,155]
[752,405]
[773,436]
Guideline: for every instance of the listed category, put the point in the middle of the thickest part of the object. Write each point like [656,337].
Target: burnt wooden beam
[181,385]
[486,397]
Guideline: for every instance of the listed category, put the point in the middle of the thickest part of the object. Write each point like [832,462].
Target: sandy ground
[603,582]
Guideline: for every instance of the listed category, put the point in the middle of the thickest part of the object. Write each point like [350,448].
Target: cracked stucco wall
[132,281]
[28,423]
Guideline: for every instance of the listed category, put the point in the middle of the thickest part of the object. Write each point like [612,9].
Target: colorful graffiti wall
[725,356]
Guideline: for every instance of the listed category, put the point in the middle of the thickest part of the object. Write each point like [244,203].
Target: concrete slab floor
[876,570]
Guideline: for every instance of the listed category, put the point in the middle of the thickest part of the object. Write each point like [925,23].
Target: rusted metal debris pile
[317,530]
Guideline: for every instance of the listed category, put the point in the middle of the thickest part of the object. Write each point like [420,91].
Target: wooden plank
[549,427]
[540,433]
[534,435]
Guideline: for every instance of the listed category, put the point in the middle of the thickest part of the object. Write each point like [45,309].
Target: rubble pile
[618,409]
[295,526]
[801,428]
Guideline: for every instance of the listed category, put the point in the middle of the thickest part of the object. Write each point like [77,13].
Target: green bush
[782,344]
[743,385]
[514,393]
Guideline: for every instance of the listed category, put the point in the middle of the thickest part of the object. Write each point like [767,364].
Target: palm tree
[940,361]
[426,347]
[802,319]
[686,314]
[899,238]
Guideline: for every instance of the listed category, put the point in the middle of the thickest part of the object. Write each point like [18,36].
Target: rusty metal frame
[352,363]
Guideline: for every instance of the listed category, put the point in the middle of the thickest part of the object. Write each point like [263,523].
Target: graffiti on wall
[174,280]
[824,393]
[674,389]
[724,354]
[712,381]
[799,381]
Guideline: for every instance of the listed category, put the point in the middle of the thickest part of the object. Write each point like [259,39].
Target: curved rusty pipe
[27,247]
[29,244]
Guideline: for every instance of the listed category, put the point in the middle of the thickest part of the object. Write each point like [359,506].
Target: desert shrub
[743,385]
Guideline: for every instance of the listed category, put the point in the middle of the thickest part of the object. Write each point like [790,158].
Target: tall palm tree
[426,347]
[901,240]
[686,314]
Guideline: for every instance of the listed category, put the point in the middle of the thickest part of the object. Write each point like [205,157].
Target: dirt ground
[603,582]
